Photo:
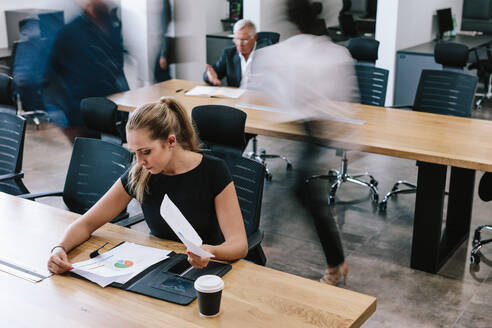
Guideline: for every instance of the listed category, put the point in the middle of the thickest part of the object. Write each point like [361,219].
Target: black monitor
[445,21]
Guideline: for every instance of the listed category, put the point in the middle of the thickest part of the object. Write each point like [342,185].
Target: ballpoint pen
[96,252]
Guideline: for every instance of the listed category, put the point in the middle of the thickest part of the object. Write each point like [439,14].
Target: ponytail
[160,119]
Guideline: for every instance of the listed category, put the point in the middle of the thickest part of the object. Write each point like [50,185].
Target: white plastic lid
[209,283]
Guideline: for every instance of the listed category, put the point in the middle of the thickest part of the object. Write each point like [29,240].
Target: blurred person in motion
[29,64]
[86,61]
[306,75]
[235,62]
[161,71]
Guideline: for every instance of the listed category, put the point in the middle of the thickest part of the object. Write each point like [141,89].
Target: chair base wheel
[475,259]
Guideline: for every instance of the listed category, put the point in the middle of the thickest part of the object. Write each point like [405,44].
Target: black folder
[171,279]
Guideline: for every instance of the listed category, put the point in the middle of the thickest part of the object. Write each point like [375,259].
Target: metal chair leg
[263,156]
[412,188]
[342,176]
[478,243]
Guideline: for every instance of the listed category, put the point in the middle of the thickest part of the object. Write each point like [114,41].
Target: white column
[386,34]
[134,20]
[190,26]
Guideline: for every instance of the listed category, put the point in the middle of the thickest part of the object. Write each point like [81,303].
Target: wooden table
[435,141]
[254,296]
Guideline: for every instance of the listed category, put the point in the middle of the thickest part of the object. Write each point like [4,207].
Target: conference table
[434,141]
[253,296]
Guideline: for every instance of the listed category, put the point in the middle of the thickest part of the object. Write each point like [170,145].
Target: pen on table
[96,252]
[180,89]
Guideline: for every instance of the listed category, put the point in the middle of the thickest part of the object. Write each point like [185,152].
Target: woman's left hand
[197,261]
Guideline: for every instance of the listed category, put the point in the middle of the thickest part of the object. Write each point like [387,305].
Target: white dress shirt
[246,68]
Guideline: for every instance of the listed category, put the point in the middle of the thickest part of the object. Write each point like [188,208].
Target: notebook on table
[170,279]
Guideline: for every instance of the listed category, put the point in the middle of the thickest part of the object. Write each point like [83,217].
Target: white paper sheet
[216,92]
[195,249]
[182,228]
[119,264]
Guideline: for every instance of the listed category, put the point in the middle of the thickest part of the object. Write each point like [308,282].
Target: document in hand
[182,228]
[219,92]
[119,264]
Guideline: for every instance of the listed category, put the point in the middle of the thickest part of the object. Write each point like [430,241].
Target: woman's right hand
[58,261]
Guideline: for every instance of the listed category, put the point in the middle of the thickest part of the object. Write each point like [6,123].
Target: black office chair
[7,104]
[372,83]
[264,39]
[347,25]
[372,80]
[12,133]
[94,167]
[248,176]
[447,92]
[29,59]
[485,193]
[102,116]
[220,128]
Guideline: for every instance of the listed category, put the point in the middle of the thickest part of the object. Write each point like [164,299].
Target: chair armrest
[33,196]
[255,239]
[10,176]
[131,220]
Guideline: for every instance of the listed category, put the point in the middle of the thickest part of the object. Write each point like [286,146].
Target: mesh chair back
[372,84]
[220,128]
[28,69]
[94,167]
[248,176]
[445,92]
[12,133]
[267,39]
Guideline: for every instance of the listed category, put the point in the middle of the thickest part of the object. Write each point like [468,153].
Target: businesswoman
[168,162]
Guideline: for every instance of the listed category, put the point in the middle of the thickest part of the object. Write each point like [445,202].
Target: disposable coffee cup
[209,291]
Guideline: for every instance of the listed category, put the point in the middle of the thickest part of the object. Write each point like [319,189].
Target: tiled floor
[377,246]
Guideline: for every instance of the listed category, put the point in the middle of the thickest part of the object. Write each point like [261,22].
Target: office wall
[190,27]
[417,21]
[403,23]
[216,10]
[135,29]
[70,8]
[387,35]
[269,15]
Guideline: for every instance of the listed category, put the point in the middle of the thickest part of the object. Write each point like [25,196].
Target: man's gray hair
[242,23]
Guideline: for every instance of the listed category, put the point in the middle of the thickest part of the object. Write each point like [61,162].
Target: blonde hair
[160,119]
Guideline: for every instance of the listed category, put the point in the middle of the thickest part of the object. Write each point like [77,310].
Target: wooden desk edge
[367,313]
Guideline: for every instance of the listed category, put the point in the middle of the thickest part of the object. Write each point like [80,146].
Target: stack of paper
[216,92]
[119,264]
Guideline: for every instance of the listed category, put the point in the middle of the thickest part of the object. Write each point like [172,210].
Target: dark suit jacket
[228,65]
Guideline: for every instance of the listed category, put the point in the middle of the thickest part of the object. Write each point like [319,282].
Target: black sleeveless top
[193,192]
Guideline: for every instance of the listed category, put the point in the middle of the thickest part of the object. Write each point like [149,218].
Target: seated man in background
[235,62]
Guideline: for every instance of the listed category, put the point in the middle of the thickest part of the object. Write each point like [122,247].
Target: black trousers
[314,197]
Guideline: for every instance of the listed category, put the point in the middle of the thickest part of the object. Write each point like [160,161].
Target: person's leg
[313,195]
